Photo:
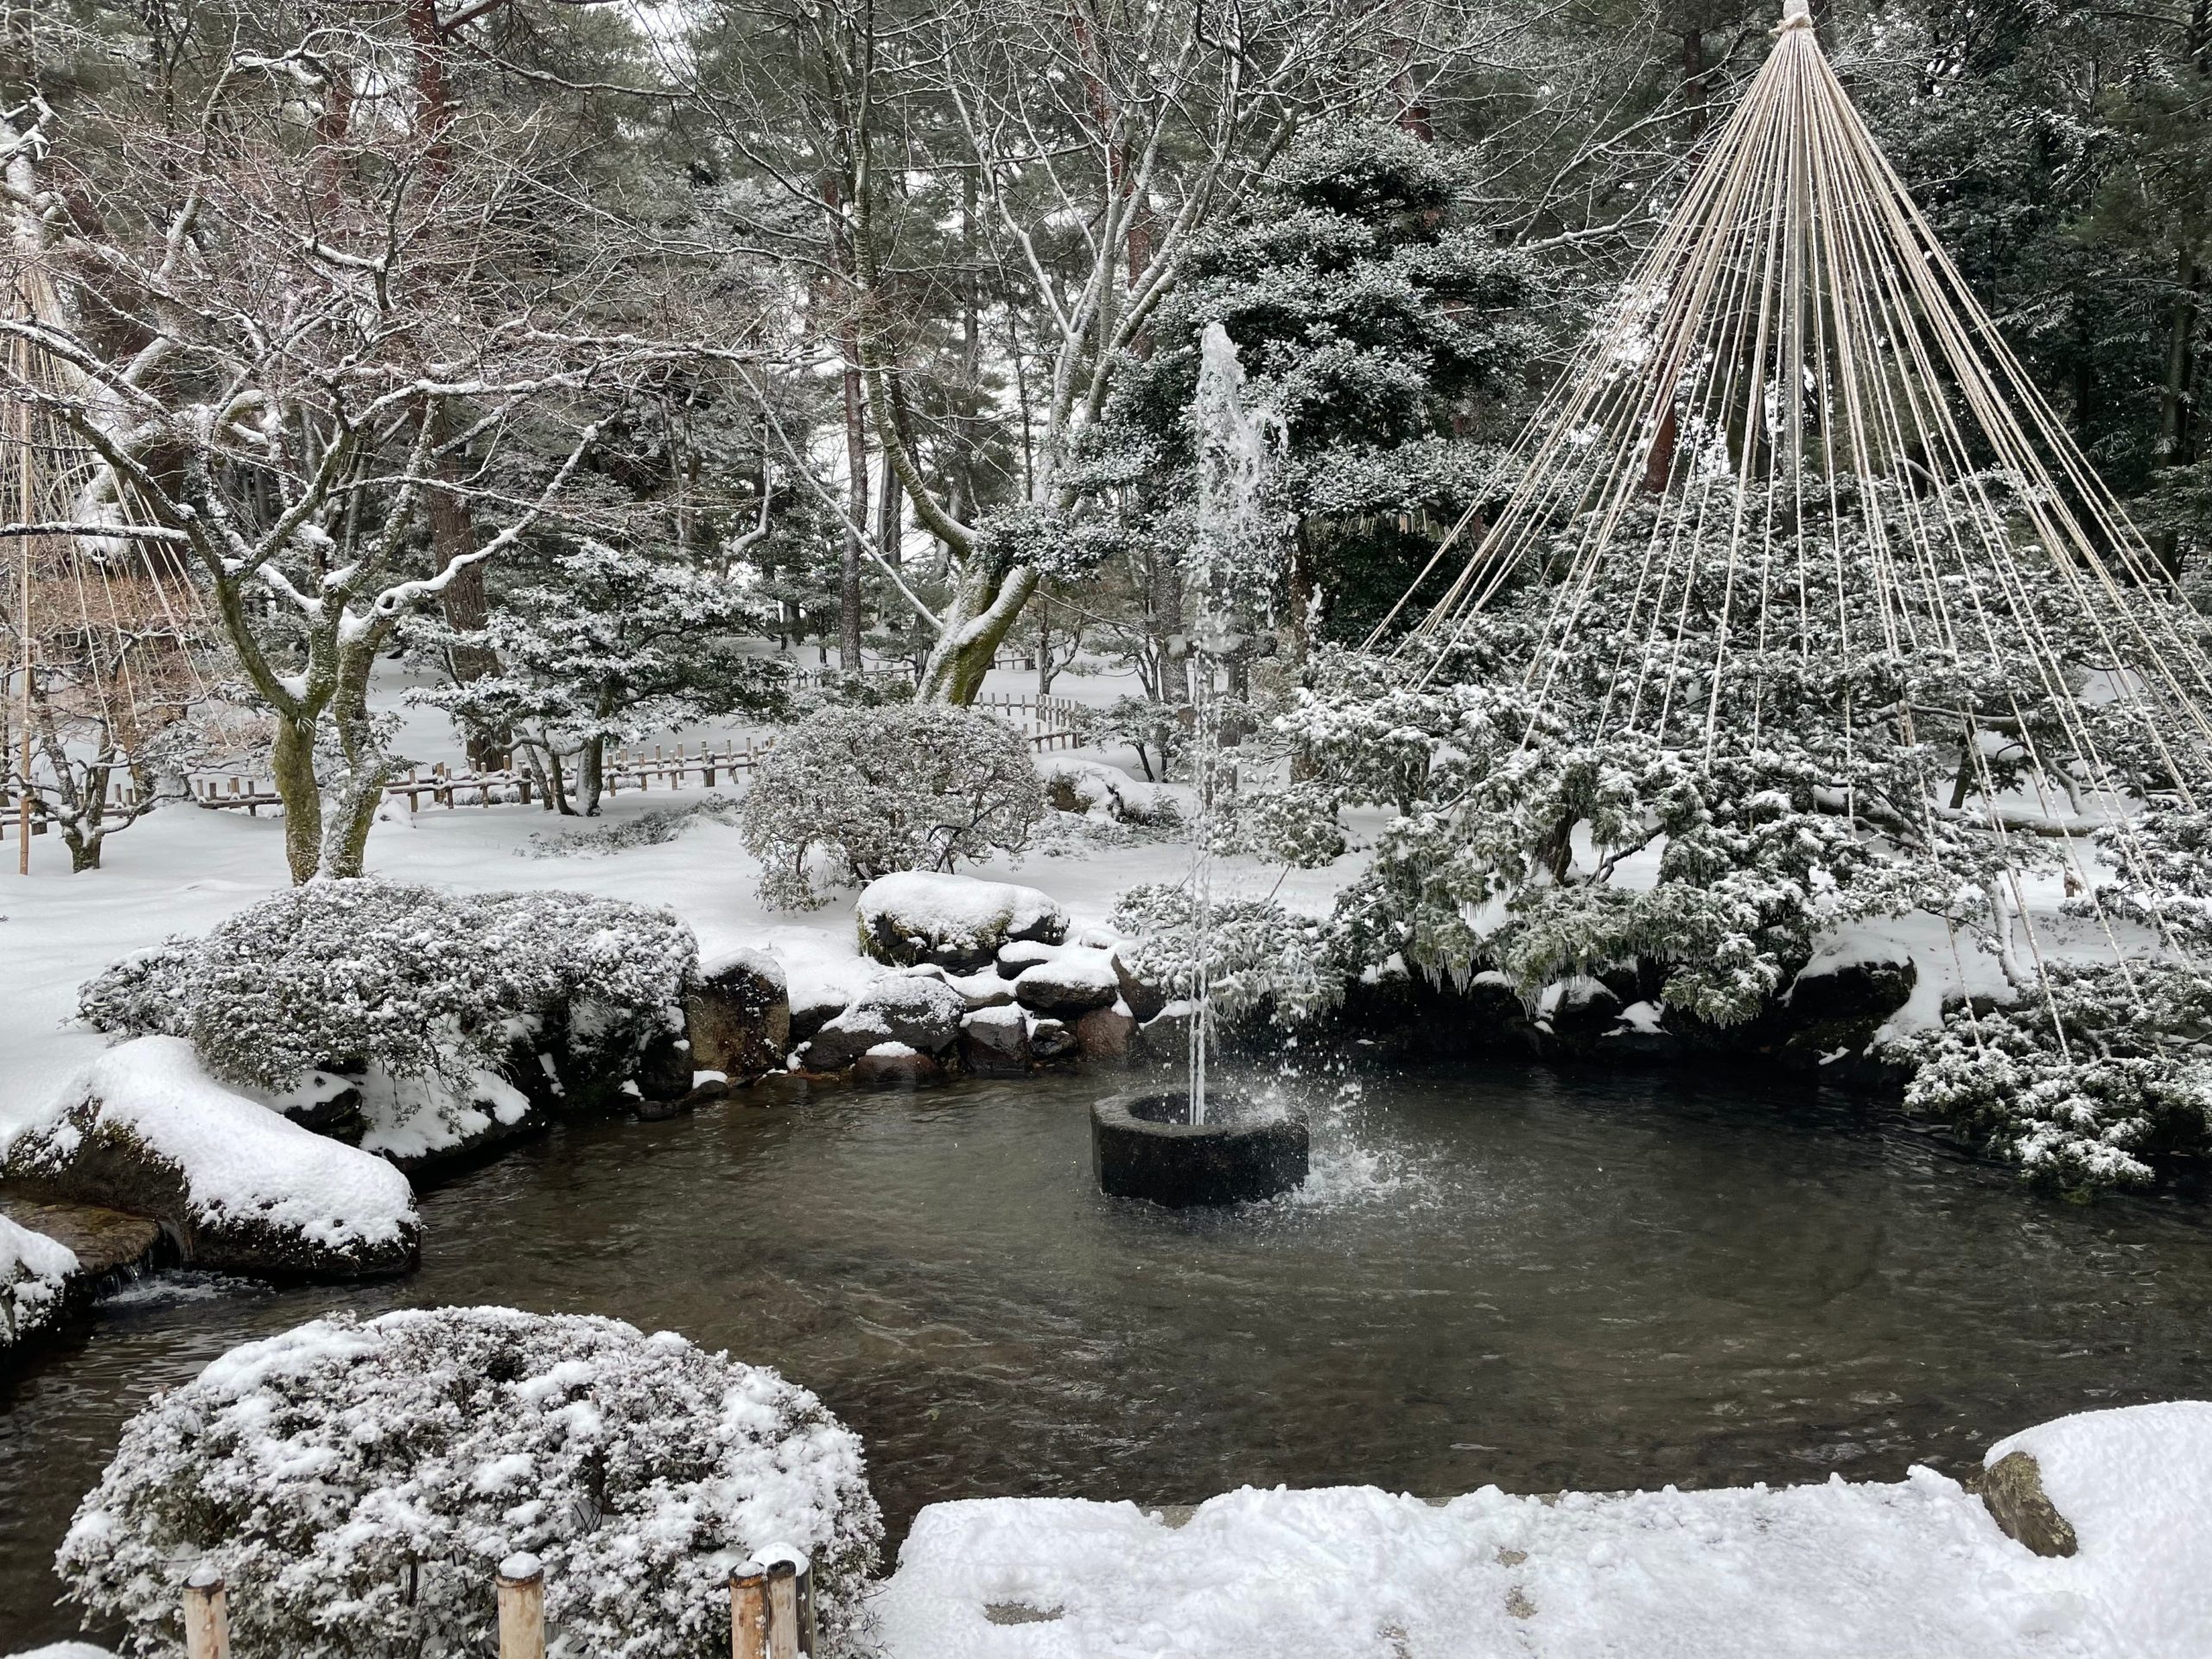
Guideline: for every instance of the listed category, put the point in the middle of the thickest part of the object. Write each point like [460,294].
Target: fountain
[1198,1146]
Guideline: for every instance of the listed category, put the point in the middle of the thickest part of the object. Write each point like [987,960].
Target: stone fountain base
[1146,1146]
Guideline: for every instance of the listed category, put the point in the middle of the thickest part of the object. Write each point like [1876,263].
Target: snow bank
[2136,1486]
[145,1129]
[33,1271]
[1837,1571]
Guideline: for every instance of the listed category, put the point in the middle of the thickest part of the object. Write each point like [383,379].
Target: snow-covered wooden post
[206,1616]
[748,1612]
[522,1607]
[782,1610]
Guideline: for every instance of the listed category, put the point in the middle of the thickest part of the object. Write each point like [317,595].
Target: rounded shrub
[357,1484]
[905,786]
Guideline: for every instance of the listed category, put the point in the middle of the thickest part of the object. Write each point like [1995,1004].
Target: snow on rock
[2135,1484]
[65,1650]
[1098,789]
[737,1014]
[144,1129]
[33,1272]
[414,1120]
[957,921]
[1070,985]
[356,1483]
[920,1012]
[1914,1569]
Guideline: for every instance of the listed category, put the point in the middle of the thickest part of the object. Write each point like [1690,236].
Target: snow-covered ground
[1916,1570]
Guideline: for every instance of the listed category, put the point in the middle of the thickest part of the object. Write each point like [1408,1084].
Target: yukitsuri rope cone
[1796,460]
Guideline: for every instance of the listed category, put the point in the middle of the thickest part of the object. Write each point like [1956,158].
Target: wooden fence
[1050,723]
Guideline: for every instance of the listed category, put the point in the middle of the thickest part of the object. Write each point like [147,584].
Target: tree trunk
[2177,398]
[591,775]
[291,764]
[982,611]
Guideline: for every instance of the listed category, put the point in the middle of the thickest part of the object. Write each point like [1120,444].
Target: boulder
[1096,790]
[813,1006]
[957,921]
[895,1066]
[665,1069]
[36,1271]
[1577,1010]
[1070,986]
[739,1015]
[144,1129]
[1051,1040]
[1167,1036]
[1108,1035]
[994,1042]
[984,990]
[1144,1000]
[1022,955]
[923,1014]
[2012,1490]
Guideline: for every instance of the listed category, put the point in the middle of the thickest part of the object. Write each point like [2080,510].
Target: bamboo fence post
[522,1607]
[782,1610]
[748,1612]
[206,1616]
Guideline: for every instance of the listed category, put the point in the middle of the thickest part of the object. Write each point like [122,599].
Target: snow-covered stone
[1069,986]
[1050,1039]
[987,990]
[959,922]
[34,1274]
[1024,954]
[356,1483]
[923,1014]
[994,1041]
[895,1066]
[1144,998]
[1096,790]
[146,1130]
[738,1016]
[1109,1034]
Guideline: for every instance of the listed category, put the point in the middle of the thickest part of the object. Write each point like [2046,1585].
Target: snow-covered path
[1916,1570]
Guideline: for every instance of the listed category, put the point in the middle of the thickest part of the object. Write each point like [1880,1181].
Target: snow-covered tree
[357,1484]
[298,325]
[1389,334]
[598,645]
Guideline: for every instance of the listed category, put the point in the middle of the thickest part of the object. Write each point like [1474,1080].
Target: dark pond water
[1496,1275]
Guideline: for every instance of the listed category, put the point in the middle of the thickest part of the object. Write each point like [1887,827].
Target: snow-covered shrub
[906,787]
[2125,1092]
[344,975]
[357,1484]
[654,829]
[1260,958]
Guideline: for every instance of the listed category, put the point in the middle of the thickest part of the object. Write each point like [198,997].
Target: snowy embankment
[1840,1571]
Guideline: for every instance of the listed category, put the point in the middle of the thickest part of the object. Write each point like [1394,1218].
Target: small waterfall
[1235,559]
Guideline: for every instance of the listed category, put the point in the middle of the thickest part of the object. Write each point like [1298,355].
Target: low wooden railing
[770,1610]
[1050,723]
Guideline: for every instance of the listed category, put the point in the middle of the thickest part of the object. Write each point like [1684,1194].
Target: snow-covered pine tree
[599,645]
[1389,331]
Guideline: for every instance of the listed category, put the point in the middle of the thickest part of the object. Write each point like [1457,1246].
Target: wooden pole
[522,1607]
[206,1616]
[783,1611]
[748,1612]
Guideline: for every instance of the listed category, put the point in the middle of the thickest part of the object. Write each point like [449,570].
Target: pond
[1502,1274]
